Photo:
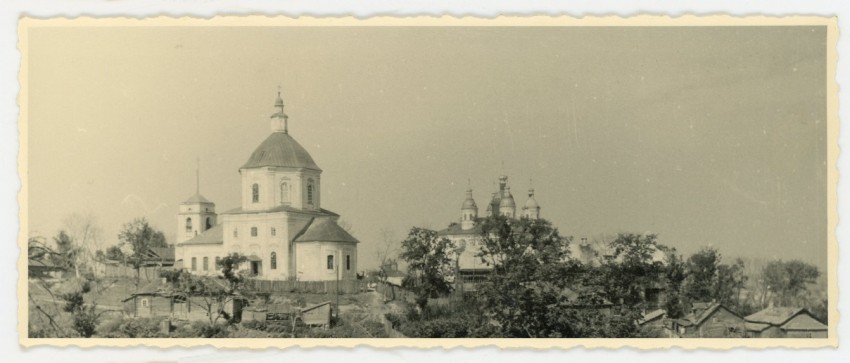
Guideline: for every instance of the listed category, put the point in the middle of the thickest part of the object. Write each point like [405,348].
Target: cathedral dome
[531,203]
[281,150]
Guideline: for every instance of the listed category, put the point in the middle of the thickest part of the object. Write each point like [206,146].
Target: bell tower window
[209,223]
[284,192]
[188,224]
[310,191]
[255,193]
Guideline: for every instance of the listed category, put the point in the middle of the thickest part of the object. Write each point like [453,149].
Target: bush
[141,328]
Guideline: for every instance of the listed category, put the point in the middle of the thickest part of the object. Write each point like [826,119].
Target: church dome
[469,203]
[531,203]
[281,150]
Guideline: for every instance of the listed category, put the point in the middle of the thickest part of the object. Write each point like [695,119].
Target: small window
[235,232]
[145,303]
[330,262]
[217,262]
[209,223]
[194,263]
[253,231]
[310,191]
[206,263]
[348,262]
[255,193]
[188,224]
[274,261]
[274,232]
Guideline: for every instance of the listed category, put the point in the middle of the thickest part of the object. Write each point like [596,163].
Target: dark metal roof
[324,230]
[281,150]
[214,235]
[456,229]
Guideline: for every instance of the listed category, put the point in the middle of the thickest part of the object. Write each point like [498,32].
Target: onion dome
[531,203]
[469,203]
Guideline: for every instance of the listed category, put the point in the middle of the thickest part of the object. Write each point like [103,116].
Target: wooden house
[156,300]
[709,320]
[785,322]
[655,324]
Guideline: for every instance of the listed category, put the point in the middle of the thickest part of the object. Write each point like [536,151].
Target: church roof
[281,150]
[283,208]
[324,230]
[214,235]
[457,229]
[197,198]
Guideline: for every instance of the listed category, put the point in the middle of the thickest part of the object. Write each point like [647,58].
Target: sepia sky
[705,136]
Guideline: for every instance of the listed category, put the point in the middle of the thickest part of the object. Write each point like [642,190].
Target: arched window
[217,260]
[284,192]
[253,231]
[206,263]
[188,224]
[274,231]
[330,262]
[274,261]
[235,232]
[255,193]
[310,191]
[209,223]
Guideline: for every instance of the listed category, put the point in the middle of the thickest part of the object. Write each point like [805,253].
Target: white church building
[280,226]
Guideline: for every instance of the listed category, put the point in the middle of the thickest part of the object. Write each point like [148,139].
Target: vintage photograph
[279,179]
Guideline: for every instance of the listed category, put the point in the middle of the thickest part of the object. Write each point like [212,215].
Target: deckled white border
[643,20]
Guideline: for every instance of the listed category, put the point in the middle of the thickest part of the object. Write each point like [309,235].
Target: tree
[82,228]
[528,291]
[633,267]
[66,252]
[386,252]
[701,281]
[138,237]
[674,274]
[114,253]
[430,269]
[787,280]
[730,281]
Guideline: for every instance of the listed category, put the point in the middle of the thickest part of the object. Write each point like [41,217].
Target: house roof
[652,315]
[283,208]
[280,150]
[160,254]
[214,235]
[784,317]
[311,307]
[756,327]
[774,315]
[324,230]
[701,311]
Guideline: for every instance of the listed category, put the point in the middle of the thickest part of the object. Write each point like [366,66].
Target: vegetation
[138,237]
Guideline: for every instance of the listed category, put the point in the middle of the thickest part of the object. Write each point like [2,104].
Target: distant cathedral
[280,226]
[466,235]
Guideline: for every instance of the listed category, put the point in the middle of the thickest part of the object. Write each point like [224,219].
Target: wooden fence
[311,287]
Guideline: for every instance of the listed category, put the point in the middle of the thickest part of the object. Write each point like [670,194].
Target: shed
[710,320]
[317,315]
